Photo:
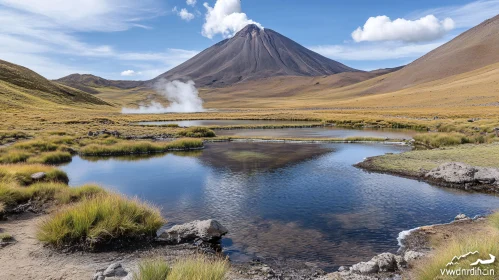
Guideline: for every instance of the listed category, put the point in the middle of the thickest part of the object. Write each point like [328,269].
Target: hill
[473,49]
[252,54]
[89,83]
[22,87]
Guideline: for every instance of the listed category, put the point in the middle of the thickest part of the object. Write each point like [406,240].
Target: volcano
[253,53]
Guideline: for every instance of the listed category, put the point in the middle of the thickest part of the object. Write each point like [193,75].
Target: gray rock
[343,268]
[453,172]
[386,262]
[208,230]
[115,269]
[461,173]
[98,276]
[461,217]
[413,255]
[365,267]
[38,175]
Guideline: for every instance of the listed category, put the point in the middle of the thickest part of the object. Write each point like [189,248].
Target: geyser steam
[183,97]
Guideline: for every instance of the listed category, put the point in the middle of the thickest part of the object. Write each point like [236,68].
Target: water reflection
[188,123]
[301,202]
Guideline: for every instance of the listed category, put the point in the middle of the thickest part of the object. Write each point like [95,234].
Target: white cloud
[381,28]
[191,2]
[184,14]
[225,18]
[129,73]
[376,51]
[468,15]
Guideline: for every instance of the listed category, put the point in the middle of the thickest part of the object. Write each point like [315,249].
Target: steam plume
[183,97]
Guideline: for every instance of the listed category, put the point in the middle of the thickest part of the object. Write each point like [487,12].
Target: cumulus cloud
[382,28]
[129,73]
[184,14]
[225,18]
[191,2]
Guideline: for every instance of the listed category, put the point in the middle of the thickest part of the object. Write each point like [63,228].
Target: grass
[196,132]
[21,173]
[411,163]
[437,140]
[5,237]
[140,147]
[51,158]
[193,268]
[430,268]
[100,220]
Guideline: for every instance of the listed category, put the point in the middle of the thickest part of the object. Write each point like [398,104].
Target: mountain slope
[21,87]
[253,53]
[473,49]
[88,83]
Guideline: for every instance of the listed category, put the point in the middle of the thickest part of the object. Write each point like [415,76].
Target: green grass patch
[140,147]
[196,132]
[437,140]
[56,157]
[5,237]
[21,173]
[191,268]
[14,156]
[100,220]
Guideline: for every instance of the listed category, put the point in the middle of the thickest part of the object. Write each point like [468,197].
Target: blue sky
[128,39]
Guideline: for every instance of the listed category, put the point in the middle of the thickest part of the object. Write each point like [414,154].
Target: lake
[298,202]
[189,123]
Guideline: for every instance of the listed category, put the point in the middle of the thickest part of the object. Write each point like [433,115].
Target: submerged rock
[208,231]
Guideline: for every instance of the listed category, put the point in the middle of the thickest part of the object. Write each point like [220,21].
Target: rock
[453,172]
[38,175]
[343,268]
[90,133]
[412,255]
[365,267]
[208,230]
[461,217]
[115,269]
[461,173]
[386,262]
[98,276]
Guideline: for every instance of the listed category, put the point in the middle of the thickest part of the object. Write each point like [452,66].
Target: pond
[189,123]
[298,202]
[319,132]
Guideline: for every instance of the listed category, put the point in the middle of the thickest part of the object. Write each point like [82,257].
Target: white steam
[183,97]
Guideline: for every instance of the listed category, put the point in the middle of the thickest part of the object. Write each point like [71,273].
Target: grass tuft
[140,147]
[21,174]
[5,237]
[101,219]
[196,132]
[437,140]
[192,268]
[51,158]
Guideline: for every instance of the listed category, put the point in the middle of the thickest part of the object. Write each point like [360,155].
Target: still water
[189,123]
[303,202]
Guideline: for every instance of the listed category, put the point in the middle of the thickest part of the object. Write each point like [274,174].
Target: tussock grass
[494,220]
[56,157]
[98,220]
[2,208]
[196,132]
[14,156]
[192,268]
[36,145]
[430,268]
[140,147]
[437,140]
[21,173]
[5,237]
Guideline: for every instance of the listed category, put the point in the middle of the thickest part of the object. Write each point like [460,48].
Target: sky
[139,40]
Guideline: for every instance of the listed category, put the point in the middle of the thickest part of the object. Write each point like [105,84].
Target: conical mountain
[253,53]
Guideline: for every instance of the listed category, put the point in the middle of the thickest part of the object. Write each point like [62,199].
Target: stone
[365,267]
[487,175]
[412,255]
[453,172]
[208,230]
[38,175]
[386,262]
[343,268]
[461,217]
[115,269]
[98,276]
[90,133]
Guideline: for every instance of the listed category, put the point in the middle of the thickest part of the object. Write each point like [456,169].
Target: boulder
[38,175]
[386,262]
[115,270]
[365,267]
[208,231]
[453,172]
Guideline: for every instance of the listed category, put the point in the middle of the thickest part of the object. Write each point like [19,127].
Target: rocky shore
[455,175]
